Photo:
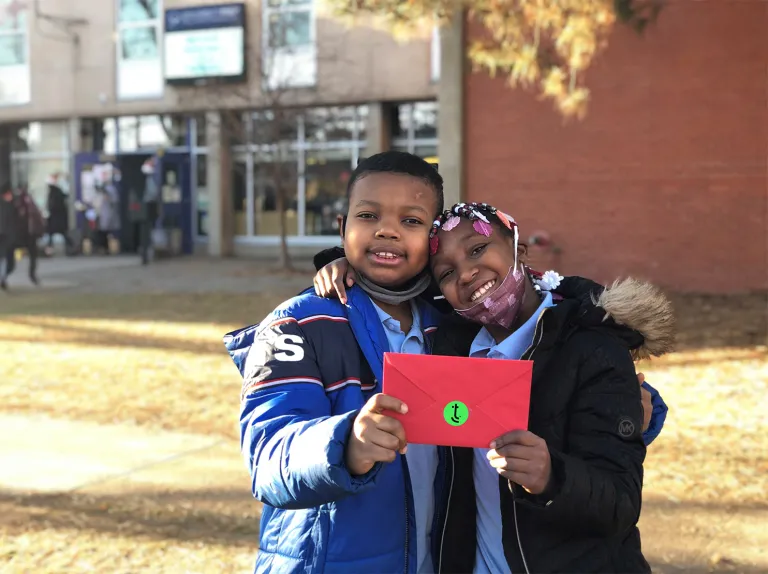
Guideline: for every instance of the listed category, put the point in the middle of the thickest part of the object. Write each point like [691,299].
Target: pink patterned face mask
[503,305]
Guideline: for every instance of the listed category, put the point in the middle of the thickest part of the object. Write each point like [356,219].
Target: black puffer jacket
[585,403]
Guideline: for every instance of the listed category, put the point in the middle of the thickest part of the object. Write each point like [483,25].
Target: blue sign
[205,17]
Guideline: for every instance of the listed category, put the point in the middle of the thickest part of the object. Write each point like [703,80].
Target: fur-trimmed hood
[630,303]
[643,307]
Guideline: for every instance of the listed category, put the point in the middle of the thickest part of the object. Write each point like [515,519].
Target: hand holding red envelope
[458,401]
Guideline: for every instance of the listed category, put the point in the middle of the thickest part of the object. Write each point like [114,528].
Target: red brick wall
[666,178]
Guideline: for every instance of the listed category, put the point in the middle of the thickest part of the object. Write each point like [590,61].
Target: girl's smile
[483,291]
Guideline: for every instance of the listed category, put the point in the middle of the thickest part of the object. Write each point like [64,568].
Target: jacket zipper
[407,521]
[538,334]
[447,512]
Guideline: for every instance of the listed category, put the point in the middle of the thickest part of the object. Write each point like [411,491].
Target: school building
[665,179]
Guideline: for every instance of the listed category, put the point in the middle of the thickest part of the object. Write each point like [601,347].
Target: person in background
[58,216]
[29,229]
[151,209]
[9,221]
[107,206]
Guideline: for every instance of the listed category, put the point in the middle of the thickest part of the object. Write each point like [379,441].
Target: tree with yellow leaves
[544,45]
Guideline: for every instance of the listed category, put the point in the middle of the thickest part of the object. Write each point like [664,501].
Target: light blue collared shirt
[490,557]
[422,458]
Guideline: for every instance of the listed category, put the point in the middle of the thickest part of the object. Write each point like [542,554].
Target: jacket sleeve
[658,415]
[293,447]
[327,256]
[597,485]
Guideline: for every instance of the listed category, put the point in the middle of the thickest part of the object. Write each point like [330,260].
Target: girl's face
[469,266]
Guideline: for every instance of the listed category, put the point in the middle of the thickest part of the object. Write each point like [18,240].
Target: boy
[312,430]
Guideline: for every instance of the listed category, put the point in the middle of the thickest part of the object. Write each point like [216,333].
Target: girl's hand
[331,279]
[647,402]
[523,458]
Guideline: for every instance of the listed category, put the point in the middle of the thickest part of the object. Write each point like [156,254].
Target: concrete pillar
[221,212]
[74,147]
[6,133]
[450,129]
[378,135]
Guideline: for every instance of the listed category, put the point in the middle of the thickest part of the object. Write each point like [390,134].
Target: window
[334,124]
[289,51]
[271,173]
[139,57]
[14,57]
[310,154]
[327,174]
[148,132]
[40,150]
[434,54]
[415,129]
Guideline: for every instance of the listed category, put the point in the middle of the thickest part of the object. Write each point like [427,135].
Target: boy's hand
[523,458]
[376,437]
[330,280]
[647,402]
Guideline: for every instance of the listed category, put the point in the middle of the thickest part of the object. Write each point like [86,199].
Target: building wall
[666,178]
[354,65]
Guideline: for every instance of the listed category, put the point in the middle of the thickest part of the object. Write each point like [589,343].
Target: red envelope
[458,401]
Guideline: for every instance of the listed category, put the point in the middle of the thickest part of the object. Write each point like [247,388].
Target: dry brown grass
[714,446]
[144,531]
[157,360]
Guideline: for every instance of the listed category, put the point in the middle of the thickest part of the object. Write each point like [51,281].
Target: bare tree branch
[274,123]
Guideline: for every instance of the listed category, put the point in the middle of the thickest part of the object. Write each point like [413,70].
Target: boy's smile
[386,255]
[387,230]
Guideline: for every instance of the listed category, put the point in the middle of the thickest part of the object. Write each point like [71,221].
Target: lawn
[157,360]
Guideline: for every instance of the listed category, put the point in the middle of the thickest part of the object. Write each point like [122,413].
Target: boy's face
[469,266]
[388,222]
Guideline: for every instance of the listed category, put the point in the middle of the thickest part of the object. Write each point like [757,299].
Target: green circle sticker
[455,413]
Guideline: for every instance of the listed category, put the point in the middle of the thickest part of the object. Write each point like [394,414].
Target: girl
[565,495]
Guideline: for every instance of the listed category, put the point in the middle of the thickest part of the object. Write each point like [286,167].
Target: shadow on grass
[756,508]
[223,517]
[660,567]
[704,321]
[229,309]
[87,336]
[716,321]
[216,516]
[682,360]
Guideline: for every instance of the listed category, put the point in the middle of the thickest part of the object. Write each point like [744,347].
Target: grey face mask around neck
[391,297]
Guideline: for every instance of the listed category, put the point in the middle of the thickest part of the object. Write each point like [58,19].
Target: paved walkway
[41,454]
[125,274]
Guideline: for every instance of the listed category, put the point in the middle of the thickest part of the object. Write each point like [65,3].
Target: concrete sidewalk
[41,454]
[125,274]
[62,272]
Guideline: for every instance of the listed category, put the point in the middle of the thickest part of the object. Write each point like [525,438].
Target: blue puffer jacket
[303,383]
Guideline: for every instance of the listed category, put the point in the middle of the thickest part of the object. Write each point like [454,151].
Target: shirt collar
[394,325]
[485,345]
